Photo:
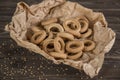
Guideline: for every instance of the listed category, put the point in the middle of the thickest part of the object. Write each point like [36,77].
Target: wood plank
[54,71]
[1,31]
[109,12]
[102,5]
[89,3]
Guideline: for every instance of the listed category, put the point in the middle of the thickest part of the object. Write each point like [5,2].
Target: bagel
[72,26]
[38,37]
[75,56]
[89,45]
[74,46]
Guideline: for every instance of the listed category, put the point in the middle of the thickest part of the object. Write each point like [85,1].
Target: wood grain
[17,63]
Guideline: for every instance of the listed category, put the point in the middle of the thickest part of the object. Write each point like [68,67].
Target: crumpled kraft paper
[26,16]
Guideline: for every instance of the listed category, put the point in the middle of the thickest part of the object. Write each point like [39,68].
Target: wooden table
[17,63]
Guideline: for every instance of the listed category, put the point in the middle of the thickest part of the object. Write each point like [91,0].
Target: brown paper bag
[26,15]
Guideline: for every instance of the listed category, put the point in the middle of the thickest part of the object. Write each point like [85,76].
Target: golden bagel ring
[84,23]
[49,36]
[73,28]
[48,45]
[58,55]
[38,37]
[35,29]
[75,56]
[49,21]
[59,44]
[65,35]
[84,26]
[86,34]
[54,27]
[89,45]
[74,46]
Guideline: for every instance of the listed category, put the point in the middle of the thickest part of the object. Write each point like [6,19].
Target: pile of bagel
[68,39]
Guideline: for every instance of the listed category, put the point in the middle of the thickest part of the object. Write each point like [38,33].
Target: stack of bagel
[68,39]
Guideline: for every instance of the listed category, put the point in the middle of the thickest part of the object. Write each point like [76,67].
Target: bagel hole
[82,24]
[72,26]
[74,46]
[54,29]
[36,37]
[87,44]
[50,46]
[60,45]
[65,40]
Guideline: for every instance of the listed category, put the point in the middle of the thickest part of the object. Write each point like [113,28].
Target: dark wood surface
[17,63]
